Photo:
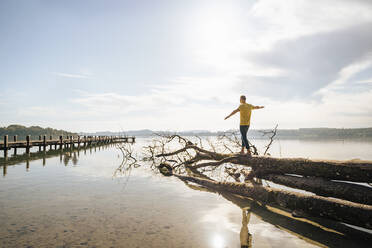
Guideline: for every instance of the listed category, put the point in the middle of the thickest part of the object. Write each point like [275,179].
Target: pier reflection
[66,156]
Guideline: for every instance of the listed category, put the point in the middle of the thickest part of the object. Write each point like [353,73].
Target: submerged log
[347,191]
[312,205]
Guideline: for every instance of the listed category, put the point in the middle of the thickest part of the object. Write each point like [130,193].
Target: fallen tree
[317,231]
[312,205]
[348,191]
[356,171]
[175,155]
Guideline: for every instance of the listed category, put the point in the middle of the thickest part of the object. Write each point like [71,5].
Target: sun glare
[215,29]
[217,241]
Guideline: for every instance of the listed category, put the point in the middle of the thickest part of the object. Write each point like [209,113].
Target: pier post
[60,142]
[15,140]
[28,144]
[44,142]
[6,147]
[51,144]
[78,141]
[71,142]
[85,141]
[39,143]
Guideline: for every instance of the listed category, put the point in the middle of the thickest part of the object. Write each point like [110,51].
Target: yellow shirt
[245,113]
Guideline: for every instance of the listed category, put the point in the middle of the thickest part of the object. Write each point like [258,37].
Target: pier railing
[62,142]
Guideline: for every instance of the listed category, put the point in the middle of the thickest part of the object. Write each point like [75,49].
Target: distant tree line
[337,133]
[301,133]
[34,131]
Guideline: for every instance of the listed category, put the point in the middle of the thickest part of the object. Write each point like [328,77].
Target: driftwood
[356,171]
[318,231]
[348,191]
[178,155]
[318,206]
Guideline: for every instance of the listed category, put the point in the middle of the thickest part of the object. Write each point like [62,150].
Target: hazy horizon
[84,66]
[188,130]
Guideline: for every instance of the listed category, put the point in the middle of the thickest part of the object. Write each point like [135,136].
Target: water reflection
[319,232]
[245,236]
[66,156]
[315,231]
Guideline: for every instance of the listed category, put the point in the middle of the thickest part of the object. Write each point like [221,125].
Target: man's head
[242,99]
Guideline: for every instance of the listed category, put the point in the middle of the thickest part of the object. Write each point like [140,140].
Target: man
[245,110]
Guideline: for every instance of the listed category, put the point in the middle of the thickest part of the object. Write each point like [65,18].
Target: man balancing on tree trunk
[245,110]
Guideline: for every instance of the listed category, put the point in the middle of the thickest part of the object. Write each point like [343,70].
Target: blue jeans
[243,132]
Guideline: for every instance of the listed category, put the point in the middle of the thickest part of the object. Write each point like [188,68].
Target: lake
[79,199]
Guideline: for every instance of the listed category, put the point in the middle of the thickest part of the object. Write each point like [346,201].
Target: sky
[98,65]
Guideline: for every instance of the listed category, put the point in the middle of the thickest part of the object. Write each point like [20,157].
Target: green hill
[34,131]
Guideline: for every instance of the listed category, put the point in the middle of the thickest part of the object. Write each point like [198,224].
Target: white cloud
[367,81]
[293,18]
[335,110]
[345,74]
[278,53]
[70,75]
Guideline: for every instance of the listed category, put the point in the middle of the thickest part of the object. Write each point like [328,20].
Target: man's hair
[242,97]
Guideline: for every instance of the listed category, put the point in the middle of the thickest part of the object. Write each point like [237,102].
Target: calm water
[75,199]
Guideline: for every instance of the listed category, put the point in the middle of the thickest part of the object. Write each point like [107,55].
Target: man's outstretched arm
[232,113]
[258,107]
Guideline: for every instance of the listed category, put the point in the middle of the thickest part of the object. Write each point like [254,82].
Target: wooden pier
[60,143]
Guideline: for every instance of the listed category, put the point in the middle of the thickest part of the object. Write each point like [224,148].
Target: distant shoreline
[300,133]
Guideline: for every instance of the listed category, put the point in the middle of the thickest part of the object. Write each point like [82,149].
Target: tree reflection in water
[321,232]
[317,231]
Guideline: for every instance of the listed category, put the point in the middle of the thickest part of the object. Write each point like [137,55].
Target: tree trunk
[318,206]
[346,191]
[356,171]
